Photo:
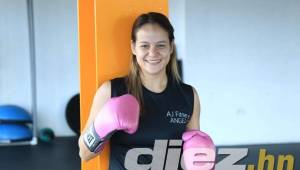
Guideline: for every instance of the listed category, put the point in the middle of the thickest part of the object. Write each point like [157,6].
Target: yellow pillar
[104,49]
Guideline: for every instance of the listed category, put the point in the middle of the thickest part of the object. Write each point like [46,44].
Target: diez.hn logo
[168,157]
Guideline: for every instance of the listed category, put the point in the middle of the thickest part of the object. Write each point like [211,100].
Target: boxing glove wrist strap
[93,141]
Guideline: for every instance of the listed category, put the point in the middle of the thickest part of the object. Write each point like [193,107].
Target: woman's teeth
[153,61]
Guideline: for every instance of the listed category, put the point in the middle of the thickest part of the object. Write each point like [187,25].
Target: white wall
[57,61]
[57,67]
[15,87]
[243,57]
[177,16]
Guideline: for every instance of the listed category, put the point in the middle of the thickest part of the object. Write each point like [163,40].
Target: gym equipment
[46,135]
[14,132]
[73,114]
[14,114]
[16,126]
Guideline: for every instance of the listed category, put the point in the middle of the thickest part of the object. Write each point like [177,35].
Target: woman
[168,107]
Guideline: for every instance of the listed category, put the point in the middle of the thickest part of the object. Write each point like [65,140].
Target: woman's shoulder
[118,80]
[112,86]
[188,89]
[191,90]
[118,86]
[104,91]
[185,86]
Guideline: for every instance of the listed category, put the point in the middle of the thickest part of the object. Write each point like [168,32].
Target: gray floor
[62,154]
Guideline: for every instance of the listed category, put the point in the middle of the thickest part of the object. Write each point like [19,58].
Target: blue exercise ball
[14,132]
[14,114]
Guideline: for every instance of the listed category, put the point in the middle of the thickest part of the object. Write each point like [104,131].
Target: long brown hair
[134,82]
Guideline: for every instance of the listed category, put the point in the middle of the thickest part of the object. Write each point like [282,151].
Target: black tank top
[165,116]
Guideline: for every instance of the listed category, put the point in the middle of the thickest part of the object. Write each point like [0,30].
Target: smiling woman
[152,49]
[148,104]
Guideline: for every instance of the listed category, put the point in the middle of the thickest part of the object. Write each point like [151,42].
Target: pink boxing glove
[118,113]
[199,151]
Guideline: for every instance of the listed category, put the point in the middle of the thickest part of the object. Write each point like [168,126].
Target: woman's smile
[153,61]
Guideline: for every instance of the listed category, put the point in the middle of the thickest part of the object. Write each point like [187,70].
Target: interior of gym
[242,57]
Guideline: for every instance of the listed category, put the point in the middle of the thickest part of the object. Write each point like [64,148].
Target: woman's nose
[152,51]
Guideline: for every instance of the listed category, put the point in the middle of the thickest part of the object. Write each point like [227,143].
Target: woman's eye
[161,45]
[144,46]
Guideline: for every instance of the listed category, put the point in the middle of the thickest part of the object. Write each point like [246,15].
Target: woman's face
[152,49]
